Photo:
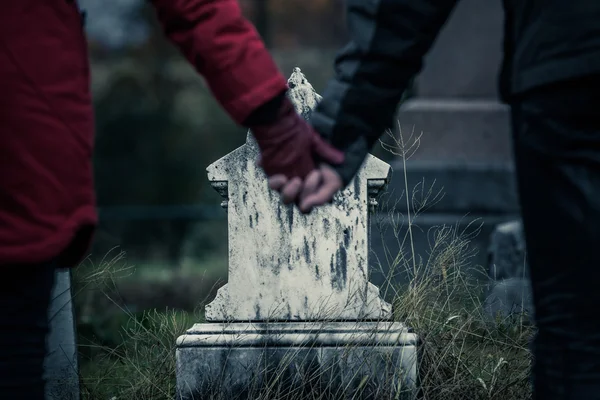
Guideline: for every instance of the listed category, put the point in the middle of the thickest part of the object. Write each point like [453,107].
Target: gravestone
[510,286]
[465,142]
[298,301]
[61,366]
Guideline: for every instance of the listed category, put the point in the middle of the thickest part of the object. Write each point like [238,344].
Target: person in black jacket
[550,77]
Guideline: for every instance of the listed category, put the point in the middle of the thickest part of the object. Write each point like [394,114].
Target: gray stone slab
[465,59]
[430,236]
[457,130]
[439,187]
[61,366]
[462,170]
[333,359]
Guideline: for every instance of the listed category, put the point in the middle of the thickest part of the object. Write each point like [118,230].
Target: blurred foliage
[157,129]
[299,23]
[156,134]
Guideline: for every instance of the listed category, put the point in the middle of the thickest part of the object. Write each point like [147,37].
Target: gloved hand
[289,146]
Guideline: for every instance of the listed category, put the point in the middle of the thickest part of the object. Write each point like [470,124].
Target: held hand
[318,188]
[290,152]
[290,147]
[322,190]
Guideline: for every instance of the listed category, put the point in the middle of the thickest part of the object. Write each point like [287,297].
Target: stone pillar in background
[465,147]
[61,366]
[298,300]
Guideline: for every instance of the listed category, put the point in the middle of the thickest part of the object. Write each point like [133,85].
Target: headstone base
[337,360]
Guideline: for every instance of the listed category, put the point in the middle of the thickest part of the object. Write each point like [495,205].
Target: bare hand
[318,188]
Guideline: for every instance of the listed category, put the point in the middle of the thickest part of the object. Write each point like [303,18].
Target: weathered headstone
[298,298]
[510,286]
[465,142]
[507,252]
[61,366]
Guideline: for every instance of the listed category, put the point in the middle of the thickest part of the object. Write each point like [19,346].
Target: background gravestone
[510,289]
[465,144]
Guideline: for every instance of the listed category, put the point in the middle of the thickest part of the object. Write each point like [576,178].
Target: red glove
[290,146]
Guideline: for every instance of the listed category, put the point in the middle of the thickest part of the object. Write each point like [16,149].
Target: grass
[463,354]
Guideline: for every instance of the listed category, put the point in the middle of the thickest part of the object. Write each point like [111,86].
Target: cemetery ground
[129,318]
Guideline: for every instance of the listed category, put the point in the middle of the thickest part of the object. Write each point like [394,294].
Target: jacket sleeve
[388,41]
[225,49]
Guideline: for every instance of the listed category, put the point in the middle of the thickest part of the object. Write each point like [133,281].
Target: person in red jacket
[47,201]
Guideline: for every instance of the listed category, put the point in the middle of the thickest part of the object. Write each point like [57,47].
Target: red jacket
[47,201]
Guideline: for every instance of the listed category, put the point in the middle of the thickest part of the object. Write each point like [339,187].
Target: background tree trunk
[262,20]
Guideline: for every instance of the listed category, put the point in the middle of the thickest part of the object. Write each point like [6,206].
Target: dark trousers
[557,152]
[25,292]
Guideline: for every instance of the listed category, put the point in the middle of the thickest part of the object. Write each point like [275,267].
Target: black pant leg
[25,292]
[557,153]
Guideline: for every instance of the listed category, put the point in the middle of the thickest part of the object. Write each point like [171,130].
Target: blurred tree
[261,19]
[308,23]
[158,127]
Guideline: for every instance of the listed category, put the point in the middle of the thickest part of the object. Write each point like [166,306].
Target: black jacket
[545,41]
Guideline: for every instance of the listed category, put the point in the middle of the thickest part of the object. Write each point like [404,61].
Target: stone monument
[465,146]
[298,307]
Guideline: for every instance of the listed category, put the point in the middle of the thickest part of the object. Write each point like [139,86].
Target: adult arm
[225,48]
[227,51]
[389,39]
